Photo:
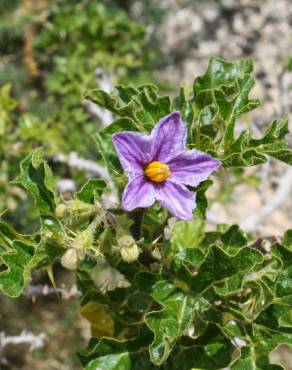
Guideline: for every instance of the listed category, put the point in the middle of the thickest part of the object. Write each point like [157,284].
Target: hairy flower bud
[70,259]
[60,210]
[130,254]
[75,212]
[129,249]
[84,239]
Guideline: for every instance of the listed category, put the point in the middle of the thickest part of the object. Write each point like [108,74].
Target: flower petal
[169,138]
[192,167]
[138,193]
[133,149]
[176,198]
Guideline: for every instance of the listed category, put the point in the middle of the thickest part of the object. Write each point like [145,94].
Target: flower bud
[75,212]
[70,259]
[130,254]
[84,239]
[60,210]
[129,249]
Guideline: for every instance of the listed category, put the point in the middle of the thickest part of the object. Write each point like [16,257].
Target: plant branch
[25,338]
[45,290]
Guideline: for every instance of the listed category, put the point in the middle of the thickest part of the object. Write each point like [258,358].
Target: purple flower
[158,167]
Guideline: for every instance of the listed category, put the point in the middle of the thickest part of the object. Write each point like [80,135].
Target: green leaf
[184,104]
[119,361]
[218,266]
[142,104]
[279,311]
[167,328]
[229,285]
[287,239]
[119,102]
[225,87]
[221,95]
[49,251]
[201,198]
[285,320]
[254,299]
[36,177]
[247,151]
[211,351]
[193,257]
[92,189]
[248,361]
[262,342]
[233,240]
[284,253]
[279,151]
[131,353]
[187,234]
[169,324]
[8,234]
[19,263]
[222,73]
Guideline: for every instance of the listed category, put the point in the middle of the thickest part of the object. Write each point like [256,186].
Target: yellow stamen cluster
[157,171]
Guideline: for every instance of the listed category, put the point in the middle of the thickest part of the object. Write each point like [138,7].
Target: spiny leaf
[8,234]
[218,266]
[36,177]
[225,88]
[233,239]
[90,190]
[142,104]
[132,350]
[262,342]
[222,73]
[187,234]
[170,323]
[120,361]
[19,263]
[247,151]
[211,351]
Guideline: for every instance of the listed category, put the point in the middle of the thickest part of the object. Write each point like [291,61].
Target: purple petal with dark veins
[133,149]
[192,167]
[176,198]
[169,138]
[138,193]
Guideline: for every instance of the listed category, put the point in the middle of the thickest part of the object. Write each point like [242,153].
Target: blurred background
[51,52]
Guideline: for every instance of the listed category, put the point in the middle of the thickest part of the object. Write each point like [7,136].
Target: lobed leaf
[142,104]
[19,263]
[36,177]
[92,189]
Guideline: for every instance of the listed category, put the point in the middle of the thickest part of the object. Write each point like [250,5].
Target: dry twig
[45,290]
[25,338]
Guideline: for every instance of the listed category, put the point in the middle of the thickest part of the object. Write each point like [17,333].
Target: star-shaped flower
[158,167]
